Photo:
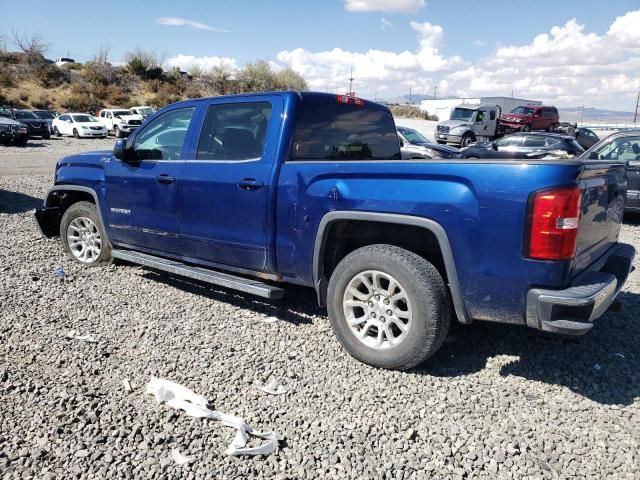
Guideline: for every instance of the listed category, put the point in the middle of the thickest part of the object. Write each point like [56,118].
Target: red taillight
[349,100]
[554,224]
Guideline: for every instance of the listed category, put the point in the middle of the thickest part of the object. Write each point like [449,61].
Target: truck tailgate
[604,188]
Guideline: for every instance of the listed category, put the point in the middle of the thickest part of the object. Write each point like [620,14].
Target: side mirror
[401,143]
[119,149]
[494,145]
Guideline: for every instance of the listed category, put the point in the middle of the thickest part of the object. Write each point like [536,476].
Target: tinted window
[64,118]
[234,131]
[413,136]
[534,141]
[163,138]
[510,141]
[492,115]
[621,149]
[23,115]
[522,111]
[334,131]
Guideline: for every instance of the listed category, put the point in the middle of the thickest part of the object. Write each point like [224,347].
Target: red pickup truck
[530,117]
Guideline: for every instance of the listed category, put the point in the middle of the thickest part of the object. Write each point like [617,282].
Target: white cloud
[565,66]
[389,6]
[479,43]
[384,24]
[184,22]
[186,62]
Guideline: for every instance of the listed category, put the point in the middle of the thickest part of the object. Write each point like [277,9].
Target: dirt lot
[497,401]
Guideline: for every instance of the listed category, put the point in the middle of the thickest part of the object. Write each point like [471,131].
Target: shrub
[411,111]
[80,102]
[24,96]
[40,101]
[7,77]
[52,76]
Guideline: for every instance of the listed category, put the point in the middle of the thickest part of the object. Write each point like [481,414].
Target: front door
[142,193]
[225,191]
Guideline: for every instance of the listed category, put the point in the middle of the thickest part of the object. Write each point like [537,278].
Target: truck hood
[454,123]
[133,116]
[93,159]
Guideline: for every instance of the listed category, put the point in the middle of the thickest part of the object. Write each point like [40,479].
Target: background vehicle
[120,122]
[586,138]
[321,200]
[415,145]
[12,132]
[468,123]
[527,118]
[78,125]
[143,111]
[35,126]
[63,61]
[526,145]
[46,115]
[623,146]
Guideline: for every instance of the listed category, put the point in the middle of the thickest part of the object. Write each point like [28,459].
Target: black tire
[88,210]
[117,132]
[467,139]
[75,133]
[526,128]
[427,294]
[47,136]
[56,132]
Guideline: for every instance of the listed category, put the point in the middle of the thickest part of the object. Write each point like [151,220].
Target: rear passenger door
[225,187]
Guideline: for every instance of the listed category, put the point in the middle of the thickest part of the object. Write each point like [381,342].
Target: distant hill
[572,114]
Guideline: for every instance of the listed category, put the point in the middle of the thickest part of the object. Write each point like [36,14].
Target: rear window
[335,131]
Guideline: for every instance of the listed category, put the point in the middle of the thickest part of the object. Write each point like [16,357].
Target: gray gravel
[496,402]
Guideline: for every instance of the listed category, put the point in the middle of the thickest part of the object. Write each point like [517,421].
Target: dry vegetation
[409,111]
[27,80]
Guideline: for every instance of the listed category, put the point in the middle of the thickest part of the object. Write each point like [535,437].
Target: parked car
[46,115]
[526,145]
[415,145]
[35,126]
[469,122]
[527,118]
[143,111]
[586,138]
[306,188]
[118,121]
[622,146]
[63,61]
[13,132]
[79,125]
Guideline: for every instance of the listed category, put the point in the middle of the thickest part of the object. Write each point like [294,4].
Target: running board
[242,284]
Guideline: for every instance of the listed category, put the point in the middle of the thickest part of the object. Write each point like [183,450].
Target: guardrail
[609,126]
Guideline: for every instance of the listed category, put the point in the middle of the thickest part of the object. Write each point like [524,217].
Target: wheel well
[345,236]
[63,199]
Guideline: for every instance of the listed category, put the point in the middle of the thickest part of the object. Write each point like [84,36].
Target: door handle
[164,178]
[250,184]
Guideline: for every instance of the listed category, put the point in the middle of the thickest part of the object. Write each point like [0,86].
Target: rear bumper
[572,311]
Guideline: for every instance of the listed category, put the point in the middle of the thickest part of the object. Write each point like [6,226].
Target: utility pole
[351,83]
[635,116]
[435,92]
[410,95]
[581,114]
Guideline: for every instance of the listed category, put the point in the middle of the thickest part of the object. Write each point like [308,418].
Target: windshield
[117,113]
[44,115]
[522,111]
[462,114]
[84,118]
[24,115]
[413,136]
[146,110]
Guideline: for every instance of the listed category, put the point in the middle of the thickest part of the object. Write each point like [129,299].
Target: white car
[78,125]
[144,111]
[119,121]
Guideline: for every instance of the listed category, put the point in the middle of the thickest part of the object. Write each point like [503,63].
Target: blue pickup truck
[253,192]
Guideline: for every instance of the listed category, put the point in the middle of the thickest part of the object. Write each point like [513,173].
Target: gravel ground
[40,156]
[497,401]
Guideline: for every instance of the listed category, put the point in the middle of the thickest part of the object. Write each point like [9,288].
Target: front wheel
[467,139]
[56,132]
[117,132]
[75,133]
[526,128]
[388,307]
[82,235]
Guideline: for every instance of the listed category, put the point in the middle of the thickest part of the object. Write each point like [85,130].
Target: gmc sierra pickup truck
[253,192]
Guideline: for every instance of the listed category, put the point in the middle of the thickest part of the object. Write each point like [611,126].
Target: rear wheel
[82,236]
[117,132]
[388,306]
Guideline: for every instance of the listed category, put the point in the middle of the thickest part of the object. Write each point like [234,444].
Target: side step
[242,284]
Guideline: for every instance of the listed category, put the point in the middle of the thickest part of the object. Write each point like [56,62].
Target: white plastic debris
[126,385]
[270,320]
[597,366]
[618,355]
[274,387]
[194,405]
[73,335]
[179,458]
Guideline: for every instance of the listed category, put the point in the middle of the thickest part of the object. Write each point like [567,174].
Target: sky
[565,52]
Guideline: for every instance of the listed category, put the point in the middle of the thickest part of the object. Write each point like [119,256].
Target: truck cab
[468,123]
